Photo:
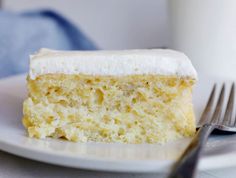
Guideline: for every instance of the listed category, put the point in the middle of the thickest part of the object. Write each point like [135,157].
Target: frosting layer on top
[115,63]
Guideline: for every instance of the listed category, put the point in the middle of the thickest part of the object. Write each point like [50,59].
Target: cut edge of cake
[145,103]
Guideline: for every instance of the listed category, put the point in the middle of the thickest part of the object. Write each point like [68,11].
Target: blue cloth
[23,34]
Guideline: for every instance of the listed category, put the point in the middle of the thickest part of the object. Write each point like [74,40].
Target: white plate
[98,156]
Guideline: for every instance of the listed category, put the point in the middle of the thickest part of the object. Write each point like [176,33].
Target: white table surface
[13,166]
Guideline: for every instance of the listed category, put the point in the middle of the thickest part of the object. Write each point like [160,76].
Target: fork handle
[186,166]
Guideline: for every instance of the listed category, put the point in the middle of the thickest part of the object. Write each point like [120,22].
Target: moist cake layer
[125,62]
[127,109]
[130,96]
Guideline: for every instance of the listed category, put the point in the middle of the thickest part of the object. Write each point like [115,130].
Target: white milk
[206,31]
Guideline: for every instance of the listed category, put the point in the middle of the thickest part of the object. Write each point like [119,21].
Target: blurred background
[111,24]
[205,30]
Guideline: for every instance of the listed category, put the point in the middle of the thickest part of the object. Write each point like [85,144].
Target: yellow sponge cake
[129,96]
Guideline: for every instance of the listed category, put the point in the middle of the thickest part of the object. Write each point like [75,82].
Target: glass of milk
[206,31]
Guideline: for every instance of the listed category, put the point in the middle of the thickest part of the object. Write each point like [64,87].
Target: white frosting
[124,62]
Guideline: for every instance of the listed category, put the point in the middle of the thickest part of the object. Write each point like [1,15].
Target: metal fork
[186,166]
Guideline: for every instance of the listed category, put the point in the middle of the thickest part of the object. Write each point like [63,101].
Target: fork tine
[234,124]
[229,108]
[208,107]
[216,116]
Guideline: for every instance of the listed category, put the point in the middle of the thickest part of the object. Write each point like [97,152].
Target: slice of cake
[130,96]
